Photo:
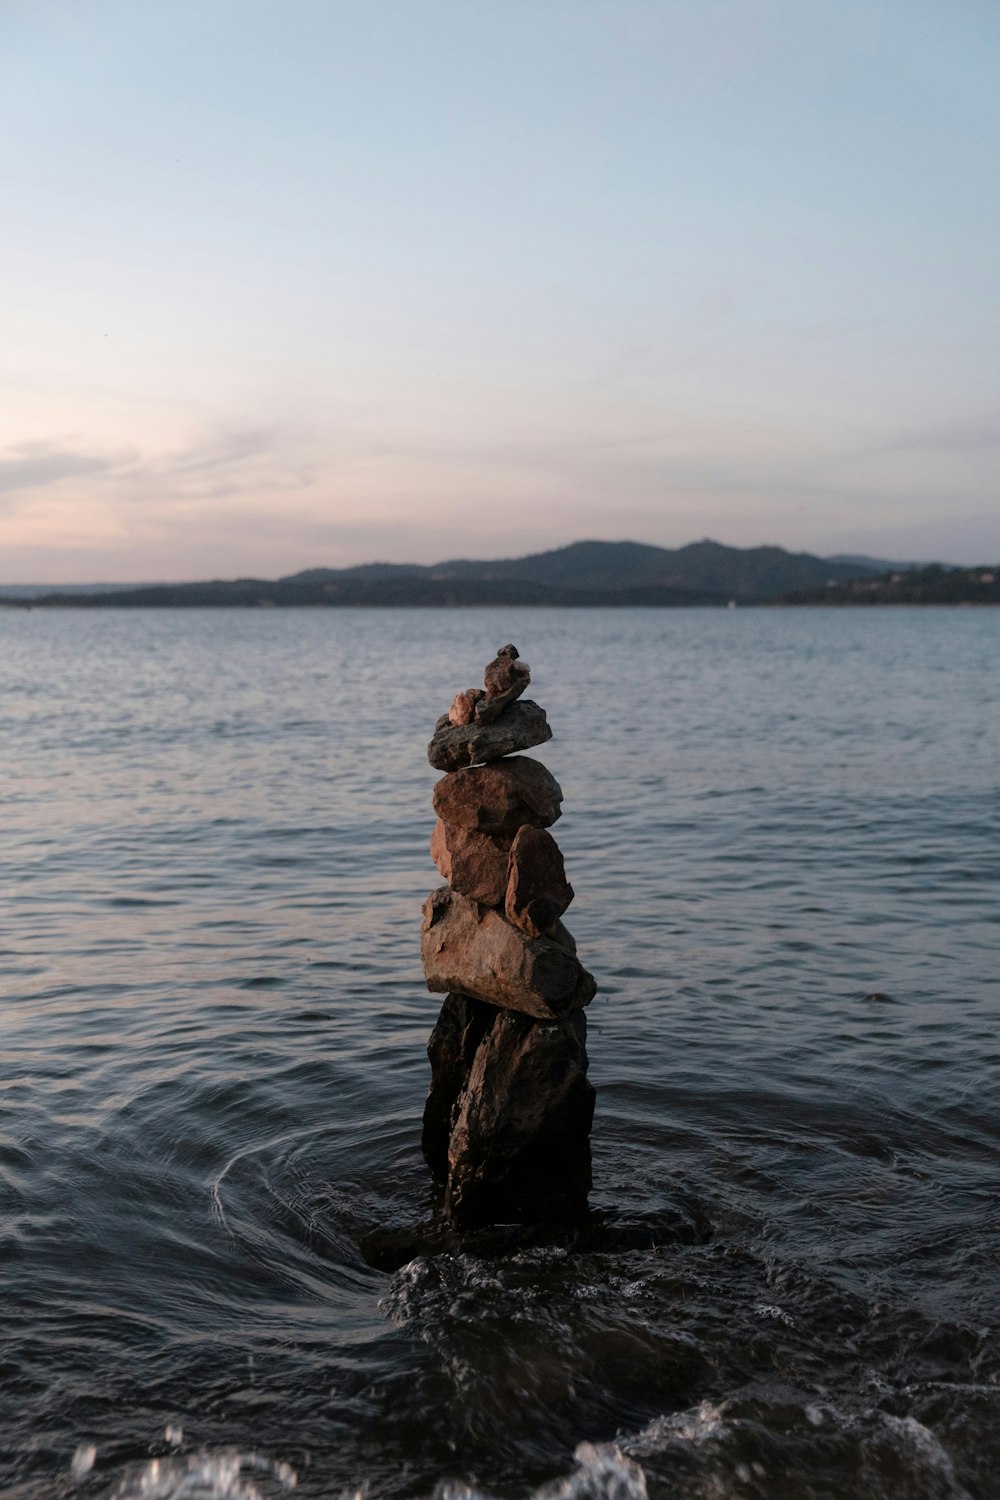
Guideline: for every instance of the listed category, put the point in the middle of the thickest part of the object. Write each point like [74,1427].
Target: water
[782,828]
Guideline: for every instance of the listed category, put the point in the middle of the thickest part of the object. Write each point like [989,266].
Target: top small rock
[499,675]
[505,679]
[485,725]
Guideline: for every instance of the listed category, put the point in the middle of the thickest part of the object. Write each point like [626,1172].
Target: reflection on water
[782,828]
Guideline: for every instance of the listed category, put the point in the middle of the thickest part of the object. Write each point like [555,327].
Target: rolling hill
[589,573]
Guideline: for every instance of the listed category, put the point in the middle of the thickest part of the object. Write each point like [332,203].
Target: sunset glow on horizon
[312,284]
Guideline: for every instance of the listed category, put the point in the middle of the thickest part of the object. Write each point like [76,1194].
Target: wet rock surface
[520,1141]
[520,726]
[473,949]
[474,864]
[499,798]
[460,1028]
[537,891]
[507,1121]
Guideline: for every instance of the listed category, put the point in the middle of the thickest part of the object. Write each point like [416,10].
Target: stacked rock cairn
[507,1122]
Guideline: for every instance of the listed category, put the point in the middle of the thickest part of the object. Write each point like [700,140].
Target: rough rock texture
[562,935]
[489,709]
[499,674]
[499,798]
[460,1028]
[463,708]
[537,890]
[475,951]
[474,864]
[520,726]
[520,1133]
[493,705]
[507,1121]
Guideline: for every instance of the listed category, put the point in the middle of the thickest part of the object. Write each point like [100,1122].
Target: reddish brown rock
[460,1028]
[463,708]
[456,746]
[537,890]
[520,1127]
[475,951]
[474,864]
[500,797]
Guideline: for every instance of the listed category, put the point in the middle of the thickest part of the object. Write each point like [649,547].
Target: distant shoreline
[471,598]
[584,575]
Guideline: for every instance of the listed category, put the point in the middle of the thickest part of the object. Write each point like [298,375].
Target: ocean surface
[783,828]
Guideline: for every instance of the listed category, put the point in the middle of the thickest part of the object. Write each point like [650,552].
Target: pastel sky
[299,282]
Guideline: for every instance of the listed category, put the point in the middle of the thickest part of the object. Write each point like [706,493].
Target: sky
[289,283]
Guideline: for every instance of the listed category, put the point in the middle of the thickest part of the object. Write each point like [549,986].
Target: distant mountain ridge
[592,573]
[747,574]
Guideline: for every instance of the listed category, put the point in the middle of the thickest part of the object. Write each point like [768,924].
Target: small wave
[870,1451]
[609,1471]
[601,1472]
[919,1442]
[698,1425]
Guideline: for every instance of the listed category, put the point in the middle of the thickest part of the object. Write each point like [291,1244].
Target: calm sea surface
[783,828]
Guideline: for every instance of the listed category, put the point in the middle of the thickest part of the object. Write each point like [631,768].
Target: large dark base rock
[520,1142]
[511,1104]
[460,1028]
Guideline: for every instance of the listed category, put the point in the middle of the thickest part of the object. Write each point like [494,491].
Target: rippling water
[782,828]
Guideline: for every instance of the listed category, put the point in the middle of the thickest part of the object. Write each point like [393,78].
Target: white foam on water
[609,1471]
[228,1475]
[83,1460]
[430,1287]
[972,1388]
[699,1426]
[769,1310]
[601,1471]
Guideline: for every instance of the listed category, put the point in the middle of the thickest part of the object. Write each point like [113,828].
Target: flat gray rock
[521,725]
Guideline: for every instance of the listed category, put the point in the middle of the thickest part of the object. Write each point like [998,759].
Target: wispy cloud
[219,450]
[220,463]
[32,466]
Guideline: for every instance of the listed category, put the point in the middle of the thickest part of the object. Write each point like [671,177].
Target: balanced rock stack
[507,1120]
